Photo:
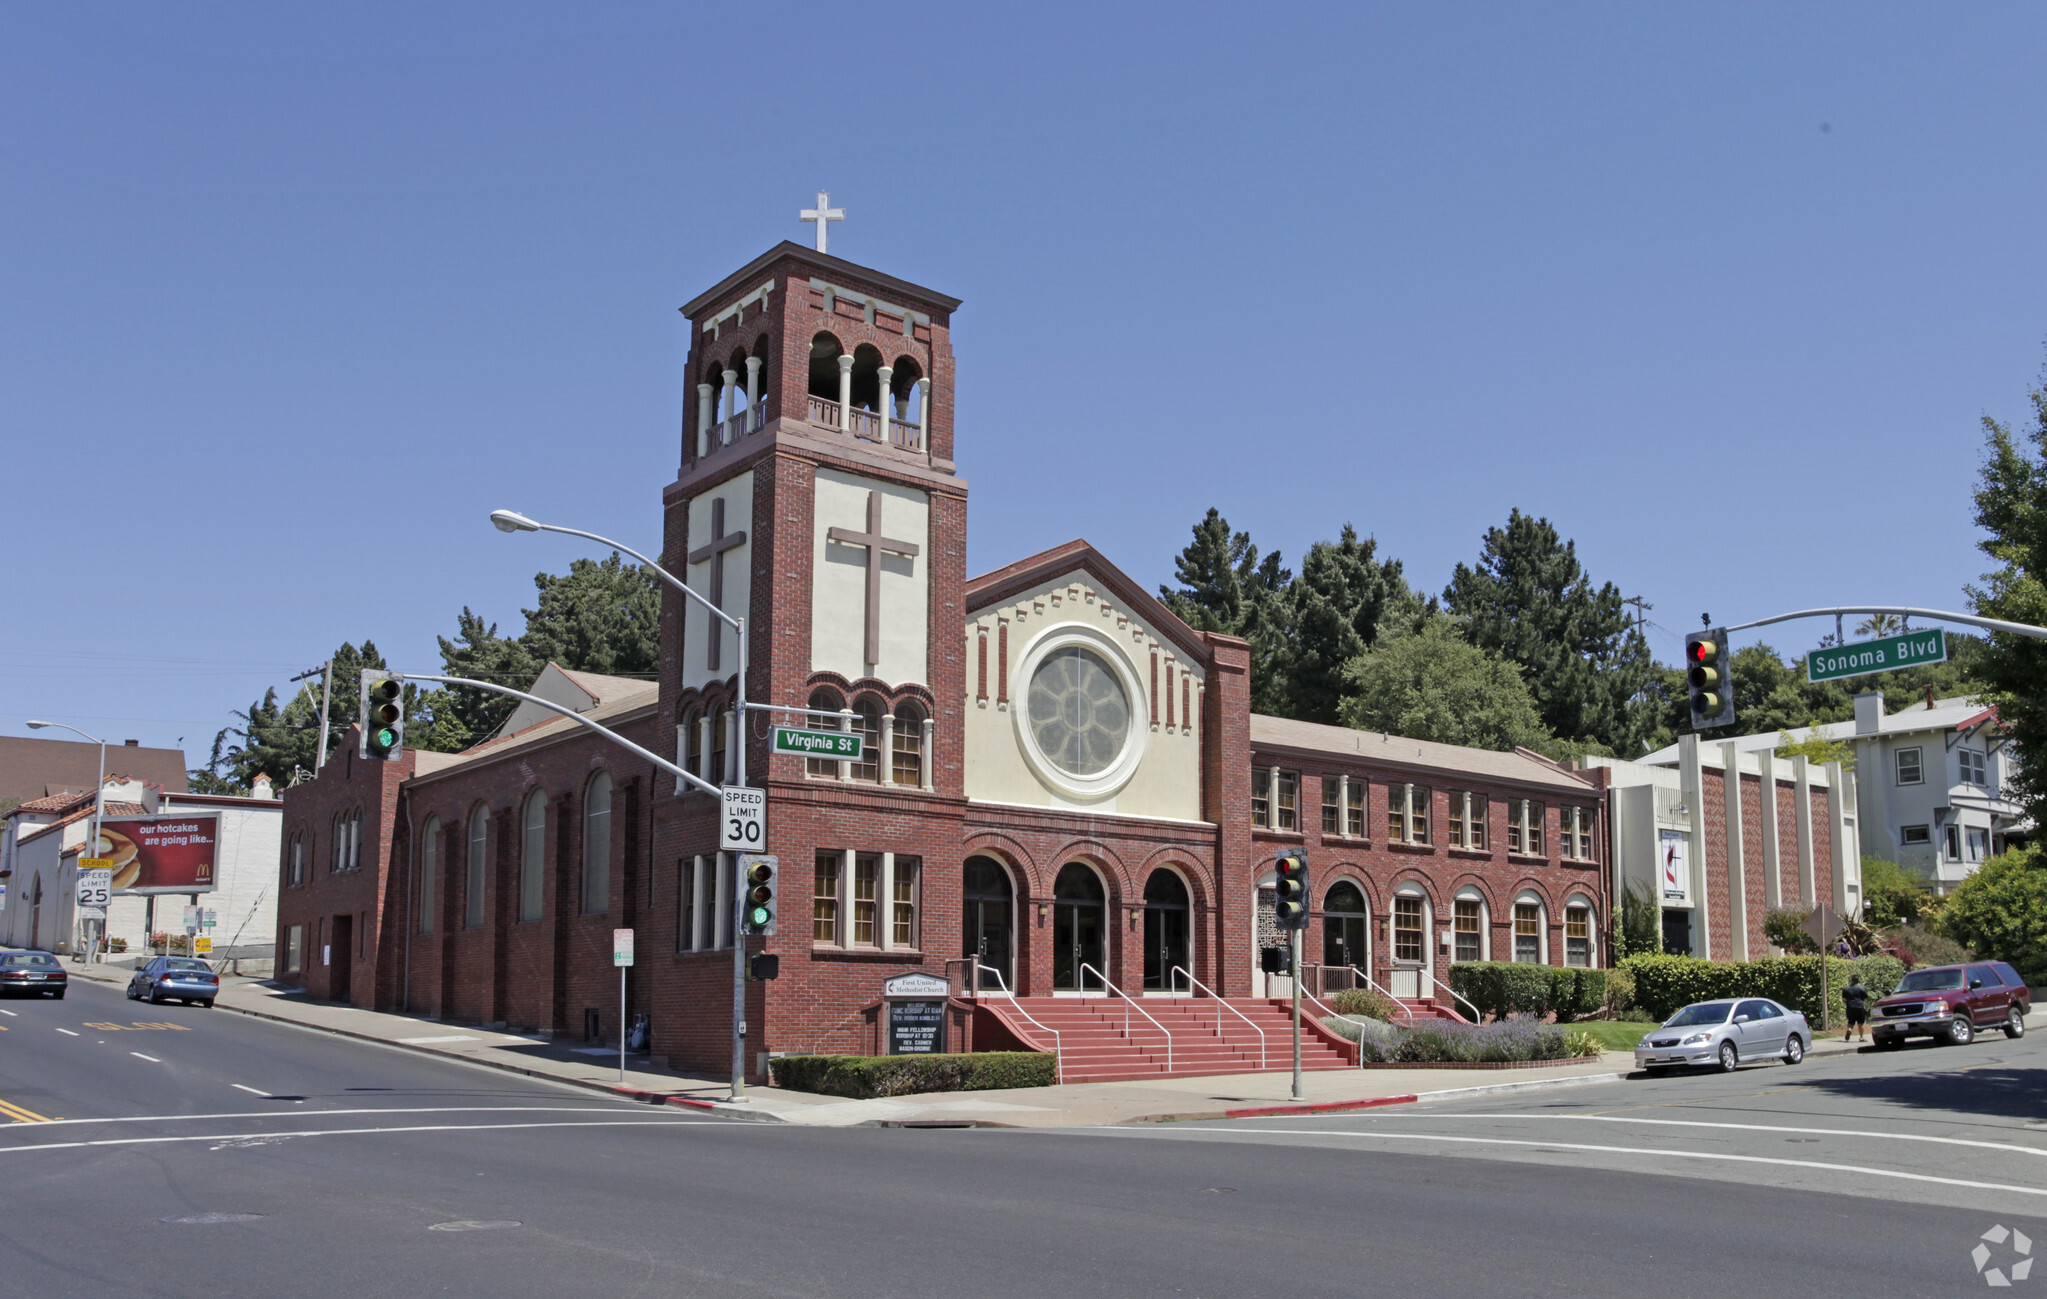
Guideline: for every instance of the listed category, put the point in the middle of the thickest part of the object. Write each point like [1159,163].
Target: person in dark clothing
[1857,998]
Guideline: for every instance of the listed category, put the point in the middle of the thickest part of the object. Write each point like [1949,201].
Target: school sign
[1909,650]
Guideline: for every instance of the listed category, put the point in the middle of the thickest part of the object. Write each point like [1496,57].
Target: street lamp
[99,792]
[513,521]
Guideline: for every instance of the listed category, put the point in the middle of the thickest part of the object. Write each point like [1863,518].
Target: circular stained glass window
[1079,714]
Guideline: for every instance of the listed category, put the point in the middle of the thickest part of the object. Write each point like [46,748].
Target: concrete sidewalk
[1068,1105]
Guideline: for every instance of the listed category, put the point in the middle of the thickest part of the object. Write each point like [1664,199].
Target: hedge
[1664,984]
[863,1077]
[1501,988]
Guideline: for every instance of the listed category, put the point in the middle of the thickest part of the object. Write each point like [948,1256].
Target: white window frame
[533,856]
[1393,929]
[1468,815]
[1261,797]
[596,901]
[1951,843]
[1286,819]
[1975,767]
[429,868]
[1401,803]
[1574,826]
[1541,929]
[1918,766]
[896,871]
[1579,902]
[476,864]
[1976,842]
[1905,839]
[1485,935]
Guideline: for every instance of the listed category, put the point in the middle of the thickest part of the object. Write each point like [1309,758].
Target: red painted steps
[1094,1045]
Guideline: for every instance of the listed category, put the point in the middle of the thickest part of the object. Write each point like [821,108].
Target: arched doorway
[1344,930]
[1078,905]
[35,912]
[988,929]
[1165,929]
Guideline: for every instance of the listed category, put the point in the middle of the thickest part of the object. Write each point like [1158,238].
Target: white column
[846,773]
[704,747]
[735,732]
[696,906]
[731,400]
[1801,782]
[845,393]
[887,766]
[1773,880]
[705,410]
[1692,783]
[1343,805]
[885,902]
[924,414]
[924,754]
[1847,854]
[1737,874]
[753,392]
[721,908]
[883,398]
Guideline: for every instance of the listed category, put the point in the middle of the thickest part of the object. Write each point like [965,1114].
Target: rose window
[1079,714]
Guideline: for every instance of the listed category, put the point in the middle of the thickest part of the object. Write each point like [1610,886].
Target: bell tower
[817,499]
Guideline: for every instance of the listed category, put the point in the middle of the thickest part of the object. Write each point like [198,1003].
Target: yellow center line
[20,1115]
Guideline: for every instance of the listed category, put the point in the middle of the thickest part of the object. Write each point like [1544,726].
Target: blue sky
[292,298]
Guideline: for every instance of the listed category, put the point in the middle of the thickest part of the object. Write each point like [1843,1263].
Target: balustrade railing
[864,424]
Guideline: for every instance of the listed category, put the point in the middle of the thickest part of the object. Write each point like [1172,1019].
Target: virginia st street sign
[1891,652]
[817,744]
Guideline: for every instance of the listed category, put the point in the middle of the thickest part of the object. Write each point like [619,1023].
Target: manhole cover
[203,1218]
[487,1225]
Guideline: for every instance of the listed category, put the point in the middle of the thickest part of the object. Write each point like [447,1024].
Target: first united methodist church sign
[1909,650]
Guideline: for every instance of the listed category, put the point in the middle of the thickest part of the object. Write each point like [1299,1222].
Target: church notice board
[916,1014]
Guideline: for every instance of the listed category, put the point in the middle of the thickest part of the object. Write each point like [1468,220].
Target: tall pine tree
[1339,600]
[2011,505]
[1529,601]
[1227,586]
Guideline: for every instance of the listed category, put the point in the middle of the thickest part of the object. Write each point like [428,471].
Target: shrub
[1917,945]
[1880,974]
[1502,988]
[1377,1036]
[1891,894]
[2001,911]
[1366,1001]
[866,1076]
[1514,1039]
[1576,991]
[1663,984]
[1785,928]
[1582,1043]
[1620,991]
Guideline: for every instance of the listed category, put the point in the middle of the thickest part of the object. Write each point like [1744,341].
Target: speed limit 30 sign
[743,825]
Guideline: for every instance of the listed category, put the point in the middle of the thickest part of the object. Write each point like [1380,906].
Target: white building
[1929,783]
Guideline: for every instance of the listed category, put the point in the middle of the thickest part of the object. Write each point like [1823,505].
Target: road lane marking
[20,1115]
[10,1014]
[1611,1150]
[252,1091]
[423,1109]
[67,1032]
[1751,1127]
[441,1127]
[139,1056]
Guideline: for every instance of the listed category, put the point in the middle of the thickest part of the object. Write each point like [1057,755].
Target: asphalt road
[369,1171]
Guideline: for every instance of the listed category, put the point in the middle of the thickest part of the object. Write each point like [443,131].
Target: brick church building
[1063,784]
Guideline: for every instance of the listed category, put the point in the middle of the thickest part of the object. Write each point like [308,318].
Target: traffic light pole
[1937,615]
[1295,939]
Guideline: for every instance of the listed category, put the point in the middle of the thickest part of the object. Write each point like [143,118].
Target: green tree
[2011,506]
[1435,685]
[2001,912]
[598,617]
[1338,601]
[1529,601]
[1772,694]
[278,740]
[451,718]
[1226,586]
[1816,748]
[1891,894]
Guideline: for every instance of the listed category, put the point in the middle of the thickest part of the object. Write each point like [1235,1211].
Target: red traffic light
[1702,651]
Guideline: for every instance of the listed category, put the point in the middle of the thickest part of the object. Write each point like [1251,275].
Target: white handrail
[1220,1007]
[1058,1053]
[1085,968]
[1387,995]
[1331,1014]
[1476,1018]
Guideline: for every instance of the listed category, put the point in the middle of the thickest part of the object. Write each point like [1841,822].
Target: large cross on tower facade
[714,553]
[875,544]
[822,214]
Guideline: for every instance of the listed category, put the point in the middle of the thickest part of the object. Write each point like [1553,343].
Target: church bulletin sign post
[916,1014]
[839,746]
[1883,655]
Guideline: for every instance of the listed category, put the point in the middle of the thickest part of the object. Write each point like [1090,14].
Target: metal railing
[1129,1002]
[1476,1018]
[1058,1054]
[1404,1008]
[1172,981]
[1328,1013]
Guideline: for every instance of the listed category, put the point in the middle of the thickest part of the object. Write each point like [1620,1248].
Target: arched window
[337,860]
[1343,927]
[908,758]
[1165,930]
[692,743]
[1580,935]
[296,874]
[825,351]
[1078,929]
[532,856]
[597,845]
[355,840]
[429,870]
[472,891]
[867,378]
[719,721]
[825,700]
[1468,926]
[1529,938]
[867,725]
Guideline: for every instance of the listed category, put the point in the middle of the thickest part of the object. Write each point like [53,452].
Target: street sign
[1907,651]
[192,918]
[95,887]
[203,946]
[836,745]
[92,913]
[1822,925]
[95,863]
[621,947]
[743,822]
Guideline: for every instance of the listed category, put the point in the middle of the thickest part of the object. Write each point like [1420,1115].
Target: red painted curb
[656,1098]
[1324,1108]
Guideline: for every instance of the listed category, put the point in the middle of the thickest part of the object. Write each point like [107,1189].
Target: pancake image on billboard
[162,853]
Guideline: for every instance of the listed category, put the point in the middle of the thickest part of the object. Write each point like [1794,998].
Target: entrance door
[341,961]
[1077,905]
[990,908]
[1165,932]
[1410,946]
[1677,932]
[1343,936]
[35,914]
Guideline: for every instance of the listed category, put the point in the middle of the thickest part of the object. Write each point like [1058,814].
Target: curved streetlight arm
[605,731]
[1937,615]
[524,524]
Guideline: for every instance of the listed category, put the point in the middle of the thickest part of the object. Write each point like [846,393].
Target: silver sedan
[1726,1035]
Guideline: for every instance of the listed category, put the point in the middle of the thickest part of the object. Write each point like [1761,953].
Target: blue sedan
[174,978]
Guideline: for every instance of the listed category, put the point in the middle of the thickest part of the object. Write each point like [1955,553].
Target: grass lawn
[1613,1035]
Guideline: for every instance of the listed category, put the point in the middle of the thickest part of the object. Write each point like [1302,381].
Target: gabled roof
[82,814]
[1392,750]
[619,707]
[822,261]
[1035,570]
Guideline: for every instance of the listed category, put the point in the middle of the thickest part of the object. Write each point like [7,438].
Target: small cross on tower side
[822,214]
[713,553]
[875,544]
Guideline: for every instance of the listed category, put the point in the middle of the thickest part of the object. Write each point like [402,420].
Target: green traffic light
[383,738]
[757,917]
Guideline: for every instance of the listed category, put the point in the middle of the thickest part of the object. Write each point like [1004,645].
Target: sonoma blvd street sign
[1907,651]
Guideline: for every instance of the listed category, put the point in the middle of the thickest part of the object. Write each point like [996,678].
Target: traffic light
[762,966]
[1276,960]
[1709,676]
[382,712]
[758,914]
[1290,893]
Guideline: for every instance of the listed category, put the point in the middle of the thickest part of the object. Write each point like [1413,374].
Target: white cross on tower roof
[824,212]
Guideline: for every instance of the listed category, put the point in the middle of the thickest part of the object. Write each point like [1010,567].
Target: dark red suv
[1951,1002]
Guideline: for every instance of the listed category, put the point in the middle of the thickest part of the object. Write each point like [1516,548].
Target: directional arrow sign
[1907,651]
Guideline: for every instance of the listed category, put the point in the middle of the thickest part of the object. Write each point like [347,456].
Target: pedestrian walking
[1857,999]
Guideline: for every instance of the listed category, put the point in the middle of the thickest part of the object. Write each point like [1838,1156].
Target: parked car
[1726,1035]
[174,978]
[35,972]
[1951,1002]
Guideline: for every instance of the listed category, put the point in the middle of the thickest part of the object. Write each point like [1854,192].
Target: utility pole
[1642,608]
[326,674]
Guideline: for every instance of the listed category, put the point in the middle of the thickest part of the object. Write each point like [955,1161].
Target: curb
[1331,1107]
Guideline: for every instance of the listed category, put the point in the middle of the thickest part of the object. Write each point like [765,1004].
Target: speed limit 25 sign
[743,824]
